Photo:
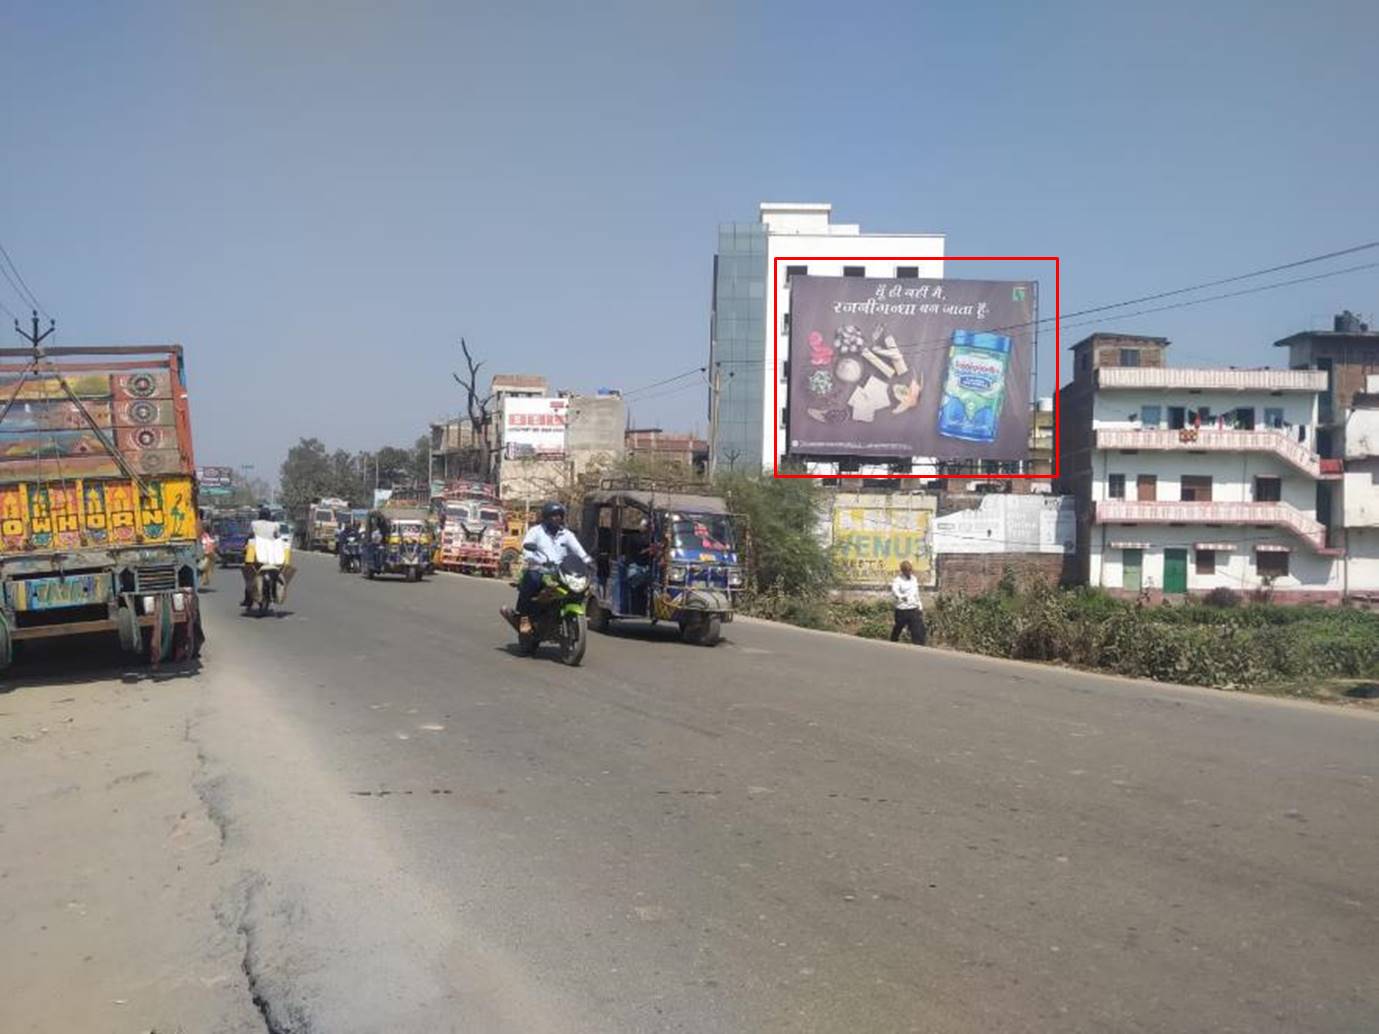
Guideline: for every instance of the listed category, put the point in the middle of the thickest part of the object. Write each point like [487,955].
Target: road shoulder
[108,865]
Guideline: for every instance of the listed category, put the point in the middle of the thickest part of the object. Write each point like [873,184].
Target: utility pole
[715,389]
[34,338]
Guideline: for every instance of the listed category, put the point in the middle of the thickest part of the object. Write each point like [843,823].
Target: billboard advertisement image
[534,427]
[216,480]
[901,368]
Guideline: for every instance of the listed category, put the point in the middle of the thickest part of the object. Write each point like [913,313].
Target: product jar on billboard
[975,386]
[903,368]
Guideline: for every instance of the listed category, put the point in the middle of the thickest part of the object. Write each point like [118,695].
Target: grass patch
[1319,652]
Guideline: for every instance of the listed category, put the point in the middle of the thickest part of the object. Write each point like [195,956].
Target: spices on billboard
[910,367]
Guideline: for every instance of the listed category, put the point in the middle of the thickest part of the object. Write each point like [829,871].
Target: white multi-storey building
[1188,480]
[745,422]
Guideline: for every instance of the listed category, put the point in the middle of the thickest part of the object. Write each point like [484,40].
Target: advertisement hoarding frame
[775,358]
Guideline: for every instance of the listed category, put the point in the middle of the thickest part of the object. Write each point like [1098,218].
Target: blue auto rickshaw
[662,556]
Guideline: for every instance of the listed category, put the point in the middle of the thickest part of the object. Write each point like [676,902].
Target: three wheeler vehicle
[399,541]
[662,556]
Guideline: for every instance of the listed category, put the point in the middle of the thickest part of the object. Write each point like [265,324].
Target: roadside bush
[782,527]
[1199,643]
[1222,597]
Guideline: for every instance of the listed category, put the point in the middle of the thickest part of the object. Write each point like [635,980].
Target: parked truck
[325,517]
[471,539]
[98,504]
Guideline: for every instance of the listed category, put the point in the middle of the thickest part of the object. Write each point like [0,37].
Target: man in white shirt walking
[909,612]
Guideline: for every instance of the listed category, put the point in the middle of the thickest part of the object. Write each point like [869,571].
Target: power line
[938,344]
[6,310]
[1236,294]
[27,294]
[1217,283]
[668,380]
[671,391]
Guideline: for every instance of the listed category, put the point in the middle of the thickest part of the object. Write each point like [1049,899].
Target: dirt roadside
[109,876]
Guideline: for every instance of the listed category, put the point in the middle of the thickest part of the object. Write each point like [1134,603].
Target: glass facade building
[737,331]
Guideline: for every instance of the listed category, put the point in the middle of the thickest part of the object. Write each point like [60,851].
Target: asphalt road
[423,831]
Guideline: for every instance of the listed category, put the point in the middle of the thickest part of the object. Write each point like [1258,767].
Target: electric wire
[26,293]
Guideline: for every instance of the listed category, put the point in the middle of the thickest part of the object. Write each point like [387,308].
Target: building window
[907,272]
[792,271]
[1196,488]
[1268,489]
[1273,417]
[1271,564]
[1115,486]
[1177,418]
[1206,561]
[1243,419]
[854,271]
[1149,416]
[1129,357]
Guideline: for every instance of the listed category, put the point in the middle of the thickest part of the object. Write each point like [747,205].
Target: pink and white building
[1188,480]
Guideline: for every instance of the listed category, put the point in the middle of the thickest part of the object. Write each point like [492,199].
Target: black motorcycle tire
[574,639]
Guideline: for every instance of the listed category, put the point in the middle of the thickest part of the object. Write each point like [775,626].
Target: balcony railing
[1282,515]
[1210,439]
[1208,378]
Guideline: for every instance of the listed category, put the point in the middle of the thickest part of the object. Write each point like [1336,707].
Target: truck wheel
[131,641]
[6,644]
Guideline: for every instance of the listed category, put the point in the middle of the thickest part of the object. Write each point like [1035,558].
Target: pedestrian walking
[909,612]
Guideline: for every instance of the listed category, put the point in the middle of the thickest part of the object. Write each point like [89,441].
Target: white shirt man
[542,546]
[909,612]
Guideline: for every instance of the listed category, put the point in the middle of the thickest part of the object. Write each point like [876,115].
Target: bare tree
[477,406]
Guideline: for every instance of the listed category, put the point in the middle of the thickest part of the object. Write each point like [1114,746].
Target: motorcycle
[557,613]
[266,589]
[351,555]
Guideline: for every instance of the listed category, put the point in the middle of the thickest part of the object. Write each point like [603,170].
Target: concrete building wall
[1360,495]
[1232,476]
[1235,569]
[1123,408]
[595,432]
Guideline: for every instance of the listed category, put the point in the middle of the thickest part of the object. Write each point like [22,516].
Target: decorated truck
[98,508]
[324,520]
[471,540]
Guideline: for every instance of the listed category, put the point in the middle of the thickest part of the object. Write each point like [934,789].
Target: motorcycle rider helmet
[264,515]
[550,511]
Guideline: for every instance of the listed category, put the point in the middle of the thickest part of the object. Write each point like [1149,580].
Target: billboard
[887,369]
[534,427]
[216,480]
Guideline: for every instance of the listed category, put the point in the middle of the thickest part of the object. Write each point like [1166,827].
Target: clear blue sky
[333,193]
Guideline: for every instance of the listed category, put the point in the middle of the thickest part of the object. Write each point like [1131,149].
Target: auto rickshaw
[399,541]
[663,556]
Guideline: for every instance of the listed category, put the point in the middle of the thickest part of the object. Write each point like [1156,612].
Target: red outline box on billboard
[775,357]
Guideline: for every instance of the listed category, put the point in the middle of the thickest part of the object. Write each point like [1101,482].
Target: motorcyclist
[546,545]
[264,527]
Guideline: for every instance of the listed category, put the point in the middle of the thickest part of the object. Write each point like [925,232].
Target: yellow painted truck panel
[38,517]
